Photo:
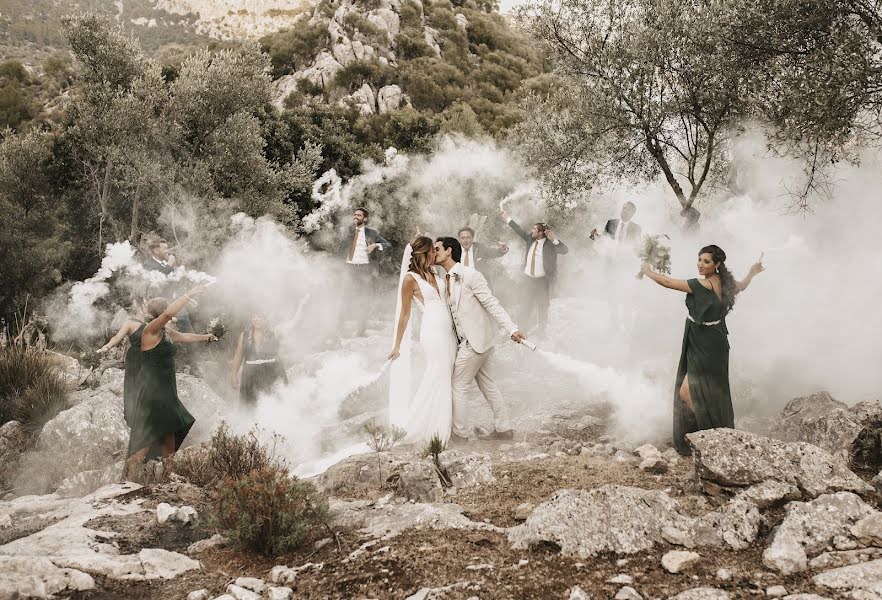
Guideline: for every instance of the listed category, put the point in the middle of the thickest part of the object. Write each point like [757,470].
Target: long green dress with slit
[705,357]
[157,410]
[261,368]
[133,366]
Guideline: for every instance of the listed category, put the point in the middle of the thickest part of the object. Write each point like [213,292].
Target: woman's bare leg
[167,445]
[136,459]
[685,394]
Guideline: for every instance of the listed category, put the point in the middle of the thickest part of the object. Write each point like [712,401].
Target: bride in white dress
[428,411]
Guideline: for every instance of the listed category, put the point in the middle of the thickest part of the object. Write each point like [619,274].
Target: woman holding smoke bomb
[131,329]
[159,420]
[702,399]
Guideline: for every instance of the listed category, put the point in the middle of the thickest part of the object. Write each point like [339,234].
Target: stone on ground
[676,561]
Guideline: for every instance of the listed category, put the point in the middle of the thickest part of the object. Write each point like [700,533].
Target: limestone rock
[522,511]
[215,541]
[703,593]
[198,595]
[183,514]
[462,21]
[577,593]
[240,593]
[360,472]
[776,591]
[737,458]
[770,492]
[284,574]
[735,524]
[251,583]
[621,579]
[863,580]
[86,482]
[805,597]
[647,451]
[628,593]
[364,100]
[842,558]
[676,561]
[279,593]
[801,410]
[868,530]
[38,577]
[468,470]
[808,527]
[419,481]
[611,518]
[390,98]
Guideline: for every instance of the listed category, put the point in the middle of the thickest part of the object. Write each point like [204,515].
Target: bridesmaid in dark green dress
[702,399]
[159,420]
[257,353]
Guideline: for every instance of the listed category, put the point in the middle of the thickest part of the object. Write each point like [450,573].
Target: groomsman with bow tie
[540,269]
[360,247]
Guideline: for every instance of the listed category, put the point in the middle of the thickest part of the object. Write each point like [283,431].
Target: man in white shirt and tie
[540,270]
[361,247]
[623,231]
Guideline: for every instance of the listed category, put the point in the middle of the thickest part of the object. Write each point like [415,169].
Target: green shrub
[269,511]
[32,388]
[358,72]
[411,45]
[225,456]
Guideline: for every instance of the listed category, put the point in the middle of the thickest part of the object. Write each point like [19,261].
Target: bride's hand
[418,231]
[394,354]
[645,268]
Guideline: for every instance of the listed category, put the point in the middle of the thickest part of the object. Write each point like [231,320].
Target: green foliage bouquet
[656,253]
[217,328]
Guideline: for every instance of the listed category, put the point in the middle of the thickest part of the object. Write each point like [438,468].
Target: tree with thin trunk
[645,89]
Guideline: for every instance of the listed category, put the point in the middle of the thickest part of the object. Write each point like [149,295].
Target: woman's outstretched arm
[127,329]
[190,338]
[407,291]
[681,285]
[755,270]
[153,331]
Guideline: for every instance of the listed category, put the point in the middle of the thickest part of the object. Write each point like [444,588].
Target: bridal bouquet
[656,253]
[216,327]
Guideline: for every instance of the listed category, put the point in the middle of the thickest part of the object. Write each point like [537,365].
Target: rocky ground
[564,511]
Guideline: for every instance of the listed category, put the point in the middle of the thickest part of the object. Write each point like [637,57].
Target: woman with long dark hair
[159,420]
[257,353]
[702,399]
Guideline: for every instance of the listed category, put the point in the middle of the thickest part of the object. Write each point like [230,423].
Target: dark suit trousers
[358,299]
[536,298]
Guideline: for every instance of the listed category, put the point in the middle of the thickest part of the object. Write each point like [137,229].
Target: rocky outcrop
[364,100]
[391,97]
[34,577]
[809,527]
[731,458]
[612,518]
[863,580]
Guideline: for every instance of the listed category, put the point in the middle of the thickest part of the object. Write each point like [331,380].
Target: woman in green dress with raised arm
[702,399]
[159,420]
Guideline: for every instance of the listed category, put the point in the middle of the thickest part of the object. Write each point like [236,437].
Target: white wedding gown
[426,409]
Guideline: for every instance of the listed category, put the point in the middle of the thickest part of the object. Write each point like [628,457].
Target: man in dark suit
[160,260]
[360,248]
[540,269]
[623,230]
[477,255]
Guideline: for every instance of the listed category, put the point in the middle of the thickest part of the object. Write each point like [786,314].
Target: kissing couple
[461,323]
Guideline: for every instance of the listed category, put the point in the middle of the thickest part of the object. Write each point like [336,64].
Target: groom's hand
[518,337]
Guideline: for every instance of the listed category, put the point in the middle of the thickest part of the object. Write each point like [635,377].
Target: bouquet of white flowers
[656,253]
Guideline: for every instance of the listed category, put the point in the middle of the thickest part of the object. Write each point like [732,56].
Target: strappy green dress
[133,367]
[705,357]
[157,410]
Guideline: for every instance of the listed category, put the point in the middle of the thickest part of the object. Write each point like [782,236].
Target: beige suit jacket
[477,314]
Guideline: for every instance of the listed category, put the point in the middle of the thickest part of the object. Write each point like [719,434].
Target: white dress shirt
[360,256]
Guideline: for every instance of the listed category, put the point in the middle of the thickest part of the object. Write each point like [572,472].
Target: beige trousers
[472,366]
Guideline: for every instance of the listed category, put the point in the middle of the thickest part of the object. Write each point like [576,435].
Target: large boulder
[863,580]
[364,100]
[390,98]
[731,458]
[736,524]
[360,472]
[802,410]
[809,527]
[611,518]
[35,577]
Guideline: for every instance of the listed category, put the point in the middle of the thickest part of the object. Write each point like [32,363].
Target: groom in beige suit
[477,318]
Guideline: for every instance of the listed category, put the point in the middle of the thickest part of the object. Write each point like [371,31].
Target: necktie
[622,227]
[533,258]
[447,279]
[352,245]
[466,261]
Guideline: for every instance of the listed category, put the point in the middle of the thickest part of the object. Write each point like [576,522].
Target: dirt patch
[141,530]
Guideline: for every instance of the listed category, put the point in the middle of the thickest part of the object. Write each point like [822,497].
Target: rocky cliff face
[238,19]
